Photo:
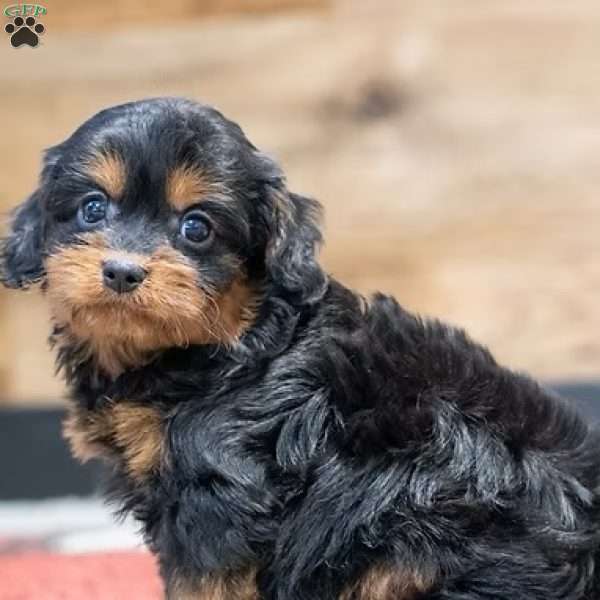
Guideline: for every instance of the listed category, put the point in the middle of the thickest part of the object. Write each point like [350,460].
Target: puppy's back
[421,389]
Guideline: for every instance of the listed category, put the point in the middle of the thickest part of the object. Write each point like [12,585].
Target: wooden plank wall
[66,14]
[454,145]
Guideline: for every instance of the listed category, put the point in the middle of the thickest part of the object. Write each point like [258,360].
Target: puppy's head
[158,224]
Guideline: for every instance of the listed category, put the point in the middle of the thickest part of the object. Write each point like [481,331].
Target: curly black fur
[337,435]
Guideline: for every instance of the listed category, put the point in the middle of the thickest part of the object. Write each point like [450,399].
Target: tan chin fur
[168,309]
[231,586]
[388,583]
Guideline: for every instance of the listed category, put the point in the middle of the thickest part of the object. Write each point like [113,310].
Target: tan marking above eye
[188,185]
[109,172]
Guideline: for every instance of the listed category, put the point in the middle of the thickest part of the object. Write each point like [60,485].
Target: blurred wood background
[65,14]
[455,146]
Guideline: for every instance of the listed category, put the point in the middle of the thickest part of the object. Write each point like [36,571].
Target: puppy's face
[158,224]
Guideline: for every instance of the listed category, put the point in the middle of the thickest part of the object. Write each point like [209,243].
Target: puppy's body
[293,442]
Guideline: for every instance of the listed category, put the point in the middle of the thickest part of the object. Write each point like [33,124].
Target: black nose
[122,275]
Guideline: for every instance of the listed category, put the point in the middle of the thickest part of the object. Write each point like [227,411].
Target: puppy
[277,436]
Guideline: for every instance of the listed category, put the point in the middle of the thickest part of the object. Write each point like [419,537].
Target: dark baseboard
[35,461]
[585,394]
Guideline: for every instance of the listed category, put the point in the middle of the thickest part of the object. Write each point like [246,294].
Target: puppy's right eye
[93,209]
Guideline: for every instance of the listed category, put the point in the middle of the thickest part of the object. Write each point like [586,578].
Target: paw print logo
[24,31]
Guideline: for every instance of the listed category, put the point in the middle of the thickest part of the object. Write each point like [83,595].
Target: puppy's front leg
[239,585]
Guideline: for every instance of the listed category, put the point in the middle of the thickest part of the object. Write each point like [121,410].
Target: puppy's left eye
[93,208]
[195,228]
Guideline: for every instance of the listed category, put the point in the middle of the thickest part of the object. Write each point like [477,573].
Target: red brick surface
[110,576]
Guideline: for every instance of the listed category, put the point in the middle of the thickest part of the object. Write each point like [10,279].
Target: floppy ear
[291,253]
[21,250]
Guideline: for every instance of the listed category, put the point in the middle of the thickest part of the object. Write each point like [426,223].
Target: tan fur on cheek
[388,583]
[230,586]
[108,171]
[132,432]
[74,273]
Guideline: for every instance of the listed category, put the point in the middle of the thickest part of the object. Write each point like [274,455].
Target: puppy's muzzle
[121,275]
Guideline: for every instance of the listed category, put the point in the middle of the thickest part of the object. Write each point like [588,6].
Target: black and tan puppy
[277,436]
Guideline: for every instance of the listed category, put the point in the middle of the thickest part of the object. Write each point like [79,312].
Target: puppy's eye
[195,228]
[93,208]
